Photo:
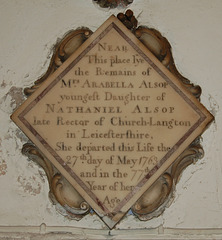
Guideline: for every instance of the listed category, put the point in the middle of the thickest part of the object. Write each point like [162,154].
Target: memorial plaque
[112,119]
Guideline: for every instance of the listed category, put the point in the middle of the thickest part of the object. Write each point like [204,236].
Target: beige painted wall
[30,28]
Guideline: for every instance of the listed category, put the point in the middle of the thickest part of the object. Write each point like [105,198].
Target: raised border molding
[68,233]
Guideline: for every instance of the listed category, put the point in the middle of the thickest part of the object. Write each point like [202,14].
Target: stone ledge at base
[68,233]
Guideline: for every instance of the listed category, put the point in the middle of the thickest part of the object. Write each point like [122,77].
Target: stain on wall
[3,167]
[30,185]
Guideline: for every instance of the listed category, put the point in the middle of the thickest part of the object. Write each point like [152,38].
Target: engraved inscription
[116,118]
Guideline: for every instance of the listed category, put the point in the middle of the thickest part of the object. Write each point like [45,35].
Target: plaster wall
[29,29]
